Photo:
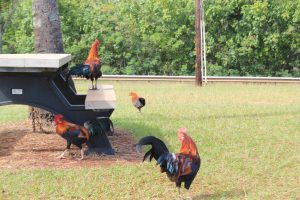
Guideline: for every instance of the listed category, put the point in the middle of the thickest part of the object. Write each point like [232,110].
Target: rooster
[77,135]
[91,67]
[180,167]
[137,101]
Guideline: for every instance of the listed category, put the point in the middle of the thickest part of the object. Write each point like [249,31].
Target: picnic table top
[32,62]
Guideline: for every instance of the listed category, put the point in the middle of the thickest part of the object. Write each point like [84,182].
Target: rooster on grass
[180,167]
[78,135]
[137,101]
[91,67]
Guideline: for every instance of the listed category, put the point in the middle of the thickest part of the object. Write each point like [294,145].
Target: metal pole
[198,70]
[201,30]
[204,45]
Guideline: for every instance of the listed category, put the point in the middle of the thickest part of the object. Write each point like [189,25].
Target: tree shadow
[41,150]
[230,194]
[8,140]
[228,116]
[270,114]
[137,128]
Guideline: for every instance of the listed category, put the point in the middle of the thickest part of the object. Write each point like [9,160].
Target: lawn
[248,136]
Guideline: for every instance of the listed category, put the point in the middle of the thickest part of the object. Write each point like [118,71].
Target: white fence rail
[209,79]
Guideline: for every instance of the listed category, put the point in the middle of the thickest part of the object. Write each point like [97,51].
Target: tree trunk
[198,70]
[0,38]
[48,39]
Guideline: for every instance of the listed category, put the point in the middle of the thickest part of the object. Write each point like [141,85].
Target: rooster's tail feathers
[158,147]
[99,126]
[169,163]
[80,70]
[142,100]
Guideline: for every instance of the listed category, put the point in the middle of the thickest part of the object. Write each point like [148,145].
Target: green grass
[13,113]
[248,136]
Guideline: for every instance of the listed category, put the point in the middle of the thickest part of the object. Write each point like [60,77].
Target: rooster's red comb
[182,130]
[132,93]
[58,117]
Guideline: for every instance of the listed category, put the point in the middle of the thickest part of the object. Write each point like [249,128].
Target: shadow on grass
[225,116]
[140,129]
[231,194]
[271,114]
[8,140]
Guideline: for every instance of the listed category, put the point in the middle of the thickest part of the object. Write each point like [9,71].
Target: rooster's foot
[82,155]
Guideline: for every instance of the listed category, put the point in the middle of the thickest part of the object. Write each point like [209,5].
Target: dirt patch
[20,148]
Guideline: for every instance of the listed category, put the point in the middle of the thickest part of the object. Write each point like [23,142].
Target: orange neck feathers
[134,96]
[93,57]
[188,146]
[61,127]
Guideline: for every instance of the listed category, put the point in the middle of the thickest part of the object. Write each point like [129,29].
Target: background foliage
[244,37]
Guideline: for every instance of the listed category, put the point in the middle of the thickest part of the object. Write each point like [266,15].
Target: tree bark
[198,70]
[48,39]
[47,31]
[46,23]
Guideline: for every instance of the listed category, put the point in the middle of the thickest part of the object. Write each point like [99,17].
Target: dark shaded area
[23,149]
[8,141]
[230,194]
[229,116]
[154,131]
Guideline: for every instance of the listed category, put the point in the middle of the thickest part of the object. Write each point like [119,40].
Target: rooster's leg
[179,194]
[62,155]
[188,197]
[82,154]
[96,84]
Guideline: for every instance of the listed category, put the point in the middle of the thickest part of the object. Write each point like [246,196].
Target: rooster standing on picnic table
[180,167]
[137,101]
[91,67]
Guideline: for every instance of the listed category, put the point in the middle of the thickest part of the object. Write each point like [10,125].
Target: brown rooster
[137,101]
[78,135]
